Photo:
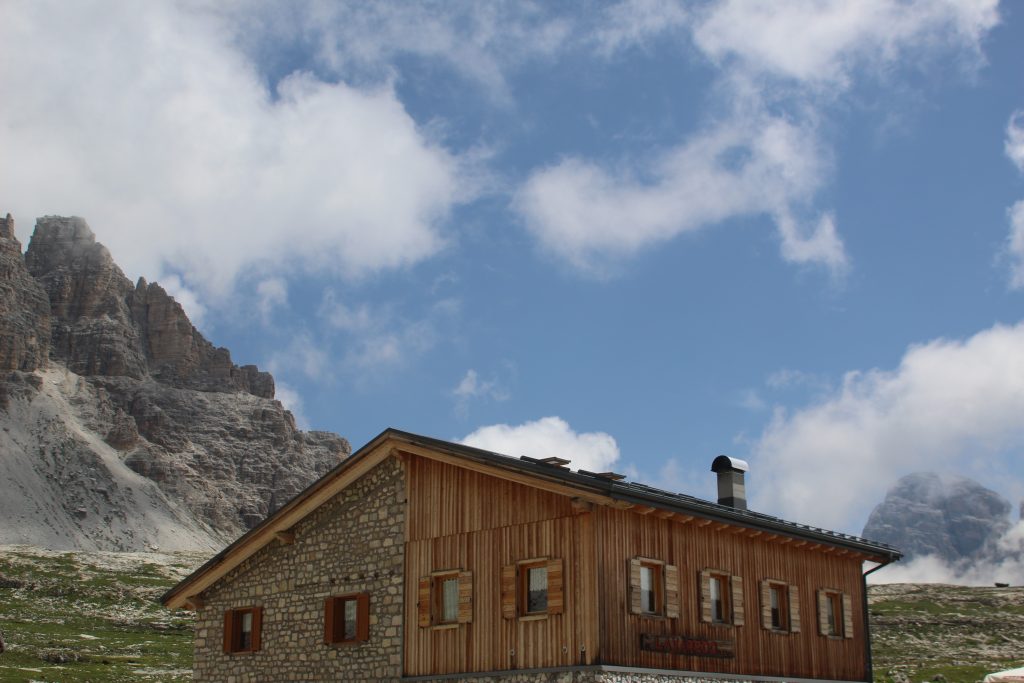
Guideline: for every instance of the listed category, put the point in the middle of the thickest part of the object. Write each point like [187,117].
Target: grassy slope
[77,617]
[93,617]
[922,630]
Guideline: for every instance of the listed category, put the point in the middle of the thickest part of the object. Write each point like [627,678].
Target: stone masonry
[353,543]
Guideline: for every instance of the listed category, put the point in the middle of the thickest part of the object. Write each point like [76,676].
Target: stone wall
[353,543]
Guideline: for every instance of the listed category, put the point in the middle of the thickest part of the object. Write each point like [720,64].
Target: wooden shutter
[766,604]
[705,596]
[363,617]
[794,609]
[465,597]
[556,594]
[738,618]
[671,591]
[257,627]
[423,602]
[508,591]
[847,616]
[822,612]
[634,587]
[229,630]
[330,607]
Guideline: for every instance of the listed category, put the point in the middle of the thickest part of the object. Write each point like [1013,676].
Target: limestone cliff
[123,427]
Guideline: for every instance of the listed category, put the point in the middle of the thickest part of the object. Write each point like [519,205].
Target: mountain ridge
[123,428]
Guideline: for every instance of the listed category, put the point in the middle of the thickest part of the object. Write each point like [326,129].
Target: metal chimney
[731,489]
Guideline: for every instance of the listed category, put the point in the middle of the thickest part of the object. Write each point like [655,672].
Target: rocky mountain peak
[949,516]
[122,426]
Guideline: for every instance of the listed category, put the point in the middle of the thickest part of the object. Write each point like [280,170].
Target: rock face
[24,309]
[123,427]
[954,518]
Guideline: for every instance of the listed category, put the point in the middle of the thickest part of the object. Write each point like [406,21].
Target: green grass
[75,621]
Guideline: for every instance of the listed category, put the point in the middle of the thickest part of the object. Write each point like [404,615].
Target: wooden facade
[650,581]
[468,521]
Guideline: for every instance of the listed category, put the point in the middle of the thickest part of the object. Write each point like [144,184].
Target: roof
[546,472]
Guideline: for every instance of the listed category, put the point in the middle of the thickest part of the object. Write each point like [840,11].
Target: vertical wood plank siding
[622,535]
[463,520]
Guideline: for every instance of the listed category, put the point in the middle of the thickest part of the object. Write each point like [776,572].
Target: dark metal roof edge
[642,494]
[626,492]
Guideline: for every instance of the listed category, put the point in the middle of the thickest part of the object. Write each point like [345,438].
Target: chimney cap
[724,463]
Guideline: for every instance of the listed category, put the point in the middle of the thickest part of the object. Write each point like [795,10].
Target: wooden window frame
[233,630]
[437,581]
[430,599]
[789,606]
[731,597]
[665,585]
[515,591]
[524,587]
[841,606]
[334,614]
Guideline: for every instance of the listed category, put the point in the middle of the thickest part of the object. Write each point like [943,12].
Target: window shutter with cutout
[766,604]
[423,602]
[794,609]
[556,594]
[847,616]
[671,591]
[634,587]
[508,591]
[363,617]
[465,597]
[257,627]
[705,596]
[822,612]
[738,618]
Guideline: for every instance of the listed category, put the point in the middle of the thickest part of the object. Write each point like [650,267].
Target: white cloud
[303,354]
[823,42]
[548,437]
[471,387]
[272,292]
[1015,245]
[147,119]
[949,405]
[589,214]
[1015,139]
[780,67]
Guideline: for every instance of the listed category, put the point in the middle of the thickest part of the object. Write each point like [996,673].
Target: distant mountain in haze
[950,517]
[121,426]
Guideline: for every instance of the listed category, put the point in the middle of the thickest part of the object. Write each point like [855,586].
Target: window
[835,615]
[347,619]
[721,597]
[242,628]
[446,598]
[653,588]
[532,588]
[780,606]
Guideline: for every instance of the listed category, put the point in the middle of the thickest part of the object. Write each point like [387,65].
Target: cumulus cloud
[292,401]
[548,437]
[950,405]
[822,43]
[780,66]
[147,119]
[1015,139]
[590,214]
[272,292]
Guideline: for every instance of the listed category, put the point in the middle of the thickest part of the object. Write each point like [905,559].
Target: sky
[635,234]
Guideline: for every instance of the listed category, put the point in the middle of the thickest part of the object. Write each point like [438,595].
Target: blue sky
[637,234]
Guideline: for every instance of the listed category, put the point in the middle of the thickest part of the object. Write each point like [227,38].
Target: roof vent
[731,489]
